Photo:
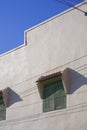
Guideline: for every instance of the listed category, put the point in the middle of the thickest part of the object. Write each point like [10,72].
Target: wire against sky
[67,3]
[16,18]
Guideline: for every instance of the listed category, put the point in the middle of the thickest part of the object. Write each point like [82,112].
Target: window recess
[3,103]
[52,91]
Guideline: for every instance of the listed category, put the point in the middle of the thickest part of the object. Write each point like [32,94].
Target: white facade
[52,46]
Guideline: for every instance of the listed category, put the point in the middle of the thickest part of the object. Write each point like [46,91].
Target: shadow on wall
[13,97]
[72,80]
[75,80]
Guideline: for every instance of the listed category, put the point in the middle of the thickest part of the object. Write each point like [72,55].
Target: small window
[52,92]
[2,108]
[54,96]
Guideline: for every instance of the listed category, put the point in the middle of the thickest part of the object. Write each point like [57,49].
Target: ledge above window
[64,76]
[5,96]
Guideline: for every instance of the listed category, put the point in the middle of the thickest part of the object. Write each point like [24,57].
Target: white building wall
[52,46]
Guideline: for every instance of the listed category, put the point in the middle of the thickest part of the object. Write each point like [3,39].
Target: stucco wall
[53,46]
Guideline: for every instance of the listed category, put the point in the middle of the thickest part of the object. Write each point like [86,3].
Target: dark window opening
[2,108]
[54,96]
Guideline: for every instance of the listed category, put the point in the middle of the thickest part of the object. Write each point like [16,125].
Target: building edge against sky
[56,52]
[25,32]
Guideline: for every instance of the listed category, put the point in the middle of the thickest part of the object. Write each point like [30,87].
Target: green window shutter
[54,96]
[48,103]
[2,109]
[2,112]
[59,96]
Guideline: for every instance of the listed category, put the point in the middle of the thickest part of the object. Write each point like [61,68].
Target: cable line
[67,3]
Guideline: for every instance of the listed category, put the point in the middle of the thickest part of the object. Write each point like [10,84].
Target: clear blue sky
[18,15]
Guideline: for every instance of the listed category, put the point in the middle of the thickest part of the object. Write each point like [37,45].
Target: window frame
[43,83]
[2,107]
[52,97]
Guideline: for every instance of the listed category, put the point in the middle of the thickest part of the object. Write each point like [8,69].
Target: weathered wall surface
[52,46]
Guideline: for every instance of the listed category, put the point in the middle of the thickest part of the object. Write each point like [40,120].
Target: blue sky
[18,15]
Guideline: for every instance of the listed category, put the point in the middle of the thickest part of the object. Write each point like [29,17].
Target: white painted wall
[52,46]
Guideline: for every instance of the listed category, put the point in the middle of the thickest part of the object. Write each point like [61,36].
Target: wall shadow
[75,80]
[13,97]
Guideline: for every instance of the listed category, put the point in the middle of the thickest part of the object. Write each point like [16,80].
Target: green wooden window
[2,108]
[54,96]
